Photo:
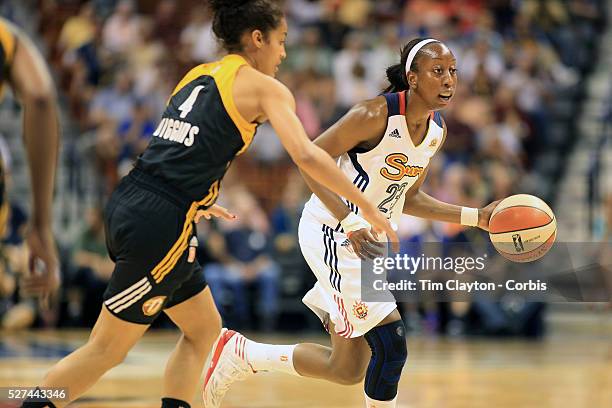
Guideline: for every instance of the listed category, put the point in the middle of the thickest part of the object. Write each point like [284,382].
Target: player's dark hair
[396,74]
[232,18]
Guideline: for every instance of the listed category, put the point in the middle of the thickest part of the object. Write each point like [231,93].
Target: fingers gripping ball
[522,228]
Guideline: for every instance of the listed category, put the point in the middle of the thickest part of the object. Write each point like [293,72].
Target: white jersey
[386,172]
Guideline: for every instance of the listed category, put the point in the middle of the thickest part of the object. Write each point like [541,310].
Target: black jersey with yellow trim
[200,133]
[7,51]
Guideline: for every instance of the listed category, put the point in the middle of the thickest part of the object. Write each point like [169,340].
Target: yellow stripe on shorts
[169,262]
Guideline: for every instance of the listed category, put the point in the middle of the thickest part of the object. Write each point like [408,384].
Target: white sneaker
[227,364]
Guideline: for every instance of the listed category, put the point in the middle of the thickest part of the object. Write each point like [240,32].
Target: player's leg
[200,323]
[337,295]
[104,350]
[338,273]
[379,356]
[387,342]
[343,363]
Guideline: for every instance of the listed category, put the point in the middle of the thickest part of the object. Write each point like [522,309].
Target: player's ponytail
[232,18]
[397,78]
[396,74]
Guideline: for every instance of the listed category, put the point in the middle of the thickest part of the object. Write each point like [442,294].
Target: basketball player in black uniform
[24,70]
[211,117]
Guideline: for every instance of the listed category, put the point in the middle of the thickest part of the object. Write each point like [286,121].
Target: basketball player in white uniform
[384,145]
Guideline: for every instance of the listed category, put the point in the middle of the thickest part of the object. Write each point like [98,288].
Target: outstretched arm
[363,122]
[420,204]
[279,107]
[423,205]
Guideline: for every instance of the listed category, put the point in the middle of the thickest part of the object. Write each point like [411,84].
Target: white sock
[270,357]
[372,403]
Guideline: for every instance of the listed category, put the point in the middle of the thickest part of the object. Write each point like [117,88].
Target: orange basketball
[522,228]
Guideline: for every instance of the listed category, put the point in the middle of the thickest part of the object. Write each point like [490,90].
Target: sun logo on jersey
[360,310]
[398,162]
[153,305]
[433,143]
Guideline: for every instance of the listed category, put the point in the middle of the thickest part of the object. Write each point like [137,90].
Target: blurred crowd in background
[117,61]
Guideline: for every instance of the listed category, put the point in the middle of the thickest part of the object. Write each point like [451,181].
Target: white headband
[414,51]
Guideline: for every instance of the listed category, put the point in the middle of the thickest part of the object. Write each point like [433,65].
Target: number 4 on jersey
[187,106]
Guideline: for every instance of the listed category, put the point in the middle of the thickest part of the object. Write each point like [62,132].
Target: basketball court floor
[571,368]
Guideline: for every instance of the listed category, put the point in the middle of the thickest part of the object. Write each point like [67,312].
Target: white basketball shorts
[337,293]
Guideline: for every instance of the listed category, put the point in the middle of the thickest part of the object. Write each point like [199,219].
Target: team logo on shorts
[153,305]
[360,310]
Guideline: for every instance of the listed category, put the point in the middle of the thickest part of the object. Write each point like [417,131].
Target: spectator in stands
[16,311]
[333,31]
[354,13]
[198,39]
[310,54]
[351,72]
[78,32]
[115,102]
[483,66]
[306,12]
[80,58]
[121,30]
[92,266]
[167,23]
[134,134]
[246,262]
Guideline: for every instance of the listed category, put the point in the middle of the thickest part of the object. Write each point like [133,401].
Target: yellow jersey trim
[224,73]
[7,39]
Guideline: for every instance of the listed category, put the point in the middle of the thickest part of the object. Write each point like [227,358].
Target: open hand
[365,245]
[43,277]
[381,225]
[215,211]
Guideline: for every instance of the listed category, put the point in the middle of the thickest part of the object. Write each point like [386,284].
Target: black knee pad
[389,354]
[174,403]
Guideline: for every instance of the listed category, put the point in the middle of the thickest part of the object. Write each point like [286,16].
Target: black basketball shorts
[148,228]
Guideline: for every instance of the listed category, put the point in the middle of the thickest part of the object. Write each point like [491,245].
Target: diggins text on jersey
[177,131]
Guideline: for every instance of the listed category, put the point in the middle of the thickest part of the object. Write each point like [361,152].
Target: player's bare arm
[363,123]
[278,105]
[422,205]
[34,87]
[362,126]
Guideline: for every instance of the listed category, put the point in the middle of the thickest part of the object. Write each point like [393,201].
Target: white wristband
[353,222]
[469,216]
